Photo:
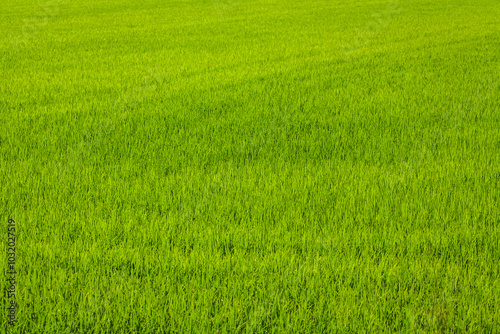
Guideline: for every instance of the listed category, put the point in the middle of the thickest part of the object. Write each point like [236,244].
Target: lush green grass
[252,165]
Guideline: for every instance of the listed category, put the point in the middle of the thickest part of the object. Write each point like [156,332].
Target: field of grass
[251,166]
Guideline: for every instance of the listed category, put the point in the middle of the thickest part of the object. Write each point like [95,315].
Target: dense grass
[252,165]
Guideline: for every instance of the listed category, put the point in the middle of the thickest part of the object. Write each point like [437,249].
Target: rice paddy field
[250,166]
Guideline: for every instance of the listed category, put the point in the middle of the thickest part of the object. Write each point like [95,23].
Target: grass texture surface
[251,166]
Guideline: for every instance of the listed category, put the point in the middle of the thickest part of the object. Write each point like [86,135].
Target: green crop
[251,166]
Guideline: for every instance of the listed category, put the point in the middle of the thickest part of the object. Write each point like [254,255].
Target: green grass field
[251,166]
